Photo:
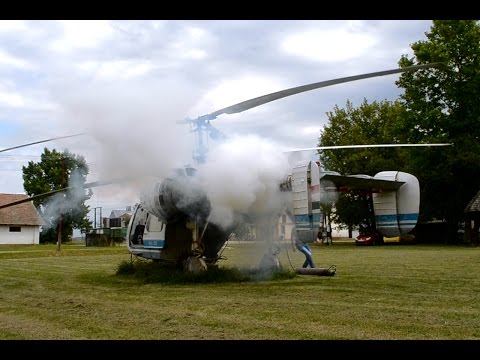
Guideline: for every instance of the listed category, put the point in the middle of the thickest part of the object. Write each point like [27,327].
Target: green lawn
[383,292]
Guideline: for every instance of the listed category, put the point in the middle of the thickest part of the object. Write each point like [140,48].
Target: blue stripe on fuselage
[153,243]
[410,218]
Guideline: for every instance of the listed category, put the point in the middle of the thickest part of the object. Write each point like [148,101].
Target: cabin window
[154,224]
[15,229]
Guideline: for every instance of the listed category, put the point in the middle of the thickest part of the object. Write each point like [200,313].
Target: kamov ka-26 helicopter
[172,223]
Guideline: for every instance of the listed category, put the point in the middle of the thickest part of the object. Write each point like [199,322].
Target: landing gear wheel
[195,265]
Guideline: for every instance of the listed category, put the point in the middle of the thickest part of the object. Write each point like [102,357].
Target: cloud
[118,69]
[328,45]
[81,34]
[12,26]
[7,59]
[11,99]
[237,89]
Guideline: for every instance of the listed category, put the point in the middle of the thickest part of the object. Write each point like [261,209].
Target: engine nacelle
[396,212]
[173,198]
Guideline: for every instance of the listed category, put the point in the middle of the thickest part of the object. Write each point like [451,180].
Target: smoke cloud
[132,130]
[62,203]
[242,175]
[133,133]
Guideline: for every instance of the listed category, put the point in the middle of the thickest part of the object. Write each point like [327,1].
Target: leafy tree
[354,209]
[443,105]
[65,210]
[374,123]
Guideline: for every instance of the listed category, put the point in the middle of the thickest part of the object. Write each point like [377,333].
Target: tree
[353,209]
[375,123]
[442,106]
[64,210]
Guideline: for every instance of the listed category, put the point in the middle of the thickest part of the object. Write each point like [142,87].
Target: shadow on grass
[152,272]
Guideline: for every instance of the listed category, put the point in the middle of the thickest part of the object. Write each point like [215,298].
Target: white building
[19,224]
[118,218]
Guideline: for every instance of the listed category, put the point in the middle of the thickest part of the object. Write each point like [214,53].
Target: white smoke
[242,175]
[63,202]
[133,133]
[132,129]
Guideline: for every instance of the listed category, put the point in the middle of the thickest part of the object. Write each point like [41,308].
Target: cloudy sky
[127,84]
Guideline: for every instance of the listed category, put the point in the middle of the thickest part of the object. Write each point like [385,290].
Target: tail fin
[396,212]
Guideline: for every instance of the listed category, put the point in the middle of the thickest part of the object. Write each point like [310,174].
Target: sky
[127,85]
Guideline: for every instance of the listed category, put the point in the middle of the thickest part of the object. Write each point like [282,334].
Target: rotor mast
[201,126]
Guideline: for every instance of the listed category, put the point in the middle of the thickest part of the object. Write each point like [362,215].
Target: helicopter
[172,222]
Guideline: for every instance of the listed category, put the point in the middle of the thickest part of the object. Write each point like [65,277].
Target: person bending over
[303,248]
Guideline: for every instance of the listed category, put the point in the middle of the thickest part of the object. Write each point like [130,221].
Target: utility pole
[59,238]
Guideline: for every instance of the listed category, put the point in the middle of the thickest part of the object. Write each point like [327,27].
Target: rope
[332,269]
[223,249]
[288,255]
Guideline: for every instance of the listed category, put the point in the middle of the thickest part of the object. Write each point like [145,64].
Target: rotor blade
[245,105]
[39,142]
[50,193]
[365,146]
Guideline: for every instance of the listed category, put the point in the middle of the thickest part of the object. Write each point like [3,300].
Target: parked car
[374,237]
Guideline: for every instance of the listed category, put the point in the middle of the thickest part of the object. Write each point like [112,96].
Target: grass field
[419,292]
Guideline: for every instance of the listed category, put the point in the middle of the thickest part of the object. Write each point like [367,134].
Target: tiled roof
[21,214]
[474,204]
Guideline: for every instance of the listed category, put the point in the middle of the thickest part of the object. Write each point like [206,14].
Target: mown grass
[386,292]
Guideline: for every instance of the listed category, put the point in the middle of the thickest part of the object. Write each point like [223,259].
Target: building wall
[28,235]
[285,226]
[343,233]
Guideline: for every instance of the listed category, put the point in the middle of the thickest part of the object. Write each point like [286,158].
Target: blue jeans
[303,248]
